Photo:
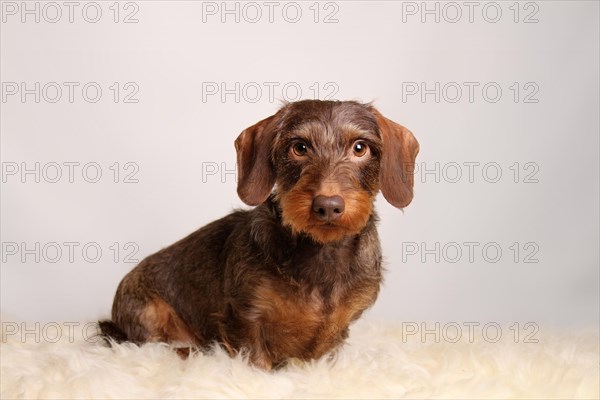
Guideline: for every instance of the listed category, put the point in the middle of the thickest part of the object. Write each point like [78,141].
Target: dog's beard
[297,214]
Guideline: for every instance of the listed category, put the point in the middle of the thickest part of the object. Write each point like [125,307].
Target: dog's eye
[299,149]
[359,148]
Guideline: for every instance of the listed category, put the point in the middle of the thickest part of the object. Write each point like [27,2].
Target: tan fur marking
[297,213]
[289,321]
[163,324]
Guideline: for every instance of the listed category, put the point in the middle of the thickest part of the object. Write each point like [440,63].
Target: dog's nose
[328,208]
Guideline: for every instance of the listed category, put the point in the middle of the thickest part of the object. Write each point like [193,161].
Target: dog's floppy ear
[256,176]
[400,149]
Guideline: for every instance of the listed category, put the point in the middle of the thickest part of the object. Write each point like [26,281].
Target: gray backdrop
[118,124]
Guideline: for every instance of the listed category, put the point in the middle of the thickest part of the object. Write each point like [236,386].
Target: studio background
[504,105]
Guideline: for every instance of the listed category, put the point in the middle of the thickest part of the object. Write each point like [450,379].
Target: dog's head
[328,160]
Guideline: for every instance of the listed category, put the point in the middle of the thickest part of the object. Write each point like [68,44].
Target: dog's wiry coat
[286,278]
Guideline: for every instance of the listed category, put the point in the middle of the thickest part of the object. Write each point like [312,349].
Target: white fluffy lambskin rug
[379,361]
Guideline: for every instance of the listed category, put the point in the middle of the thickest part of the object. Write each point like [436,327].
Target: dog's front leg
[259,353]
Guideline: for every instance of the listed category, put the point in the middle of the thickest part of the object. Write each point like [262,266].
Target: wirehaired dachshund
[286,278]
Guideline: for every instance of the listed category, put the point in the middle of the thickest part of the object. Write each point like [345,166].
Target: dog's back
[188,277]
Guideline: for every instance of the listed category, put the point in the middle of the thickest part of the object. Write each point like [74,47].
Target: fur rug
[380,360]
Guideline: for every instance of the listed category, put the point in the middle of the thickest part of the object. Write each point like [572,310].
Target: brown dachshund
[286,278]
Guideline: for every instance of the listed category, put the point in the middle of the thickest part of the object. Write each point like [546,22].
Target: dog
[286,278]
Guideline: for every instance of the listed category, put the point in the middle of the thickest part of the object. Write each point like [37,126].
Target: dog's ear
[400,149]
[256,176]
